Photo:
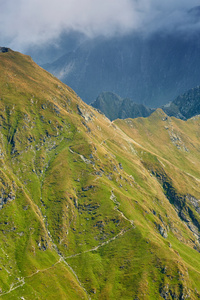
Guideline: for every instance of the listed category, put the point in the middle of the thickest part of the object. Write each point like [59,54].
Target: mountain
[186,105]
[114,107]
[89,208]
[51,51]
[183,107]
[150,69]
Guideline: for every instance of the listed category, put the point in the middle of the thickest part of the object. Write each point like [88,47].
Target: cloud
[31,22]
[38,21]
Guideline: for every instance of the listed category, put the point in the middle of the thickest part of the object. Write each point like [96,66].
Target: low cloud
[24,23]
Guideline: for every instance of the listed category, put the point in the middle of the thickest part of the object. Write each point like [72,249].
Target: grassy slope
[91,195]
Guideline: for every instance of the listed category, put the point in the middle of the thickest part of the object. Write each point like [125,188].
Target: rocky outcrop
[163,231]
[5,197]
[186,206]
[86,114]
[4,49]
[195,202]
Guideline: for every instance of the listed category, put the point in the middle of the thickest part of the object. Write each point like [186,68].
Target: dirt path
[122,232]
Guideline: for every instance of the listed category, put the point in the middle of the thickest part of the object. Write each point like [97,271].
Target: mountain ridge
[114,107]
[186,105]
[91,208]
[150,69]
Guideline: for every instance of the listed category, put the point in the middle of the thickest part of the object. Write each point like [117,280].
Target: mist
[37,22]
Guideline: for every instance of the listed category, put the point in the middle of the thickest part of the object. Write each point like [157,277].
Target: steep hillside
[93,209]
[115,107]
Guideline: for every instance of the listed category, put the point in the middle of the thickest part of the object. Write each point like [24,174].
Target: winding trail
[122,232]
[22,280]
[13,287]
[114,199]
[76,277]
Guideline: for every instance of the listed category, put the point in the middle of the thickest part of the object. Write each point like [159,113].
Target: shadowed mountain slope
[186,105]
[183,107]
[93,209]
[115,107]
[150,69]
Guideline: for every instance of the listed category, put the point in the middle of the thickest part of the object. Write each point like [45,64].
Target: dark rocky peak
[114,107]
[184,106]
[4,49]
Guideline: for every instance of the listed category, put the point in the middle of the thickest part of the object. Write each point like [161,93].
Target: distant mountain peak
[151,70]
[186,105]
[114,107]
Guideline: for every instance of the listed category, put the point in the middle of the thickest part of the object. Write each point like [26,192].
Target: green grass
[96,190]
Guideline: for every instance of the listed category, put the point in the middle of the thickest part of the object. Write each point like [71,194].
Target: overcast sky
[30,22]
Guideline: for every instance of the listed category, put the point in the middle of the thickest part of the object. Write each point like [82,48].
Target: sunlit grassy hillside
[93,209]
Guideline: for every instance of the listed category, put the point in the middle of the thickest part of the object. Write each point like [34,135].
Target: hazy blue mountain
[66,42]
[186,105]
[114,107]
[150,70]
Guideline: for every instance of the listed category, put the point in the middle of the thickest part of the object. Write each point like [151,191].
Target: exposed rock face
[4,49]
[195,202]
[114,107]
[7,191]
[185,106]
[186,206]
[86,114]
[163,231]
[4,198]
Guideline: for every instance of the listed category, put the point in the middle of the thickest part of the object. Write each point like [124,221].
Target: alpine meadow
[89,208]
